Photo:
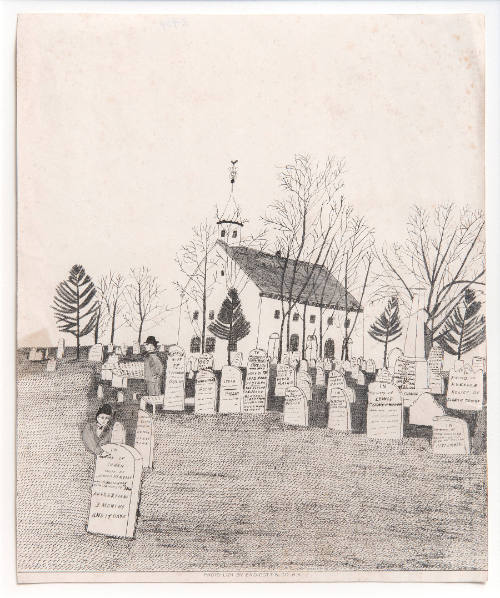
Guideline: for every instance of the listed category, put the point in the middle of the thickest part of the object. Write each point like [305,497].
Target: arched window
[210,344]
[235,234]
[222,233]
[295,317]
[195,315]
[294,342]
[329,349]
[195,344]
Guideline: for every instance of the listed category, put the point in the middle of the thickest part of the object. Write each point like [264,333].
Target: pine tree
[230,323]
[75,306]
[464,328]
[387,327]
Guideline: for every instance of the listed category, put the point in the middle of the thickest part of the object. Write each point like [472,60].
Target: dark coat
[92,441]
[153,374]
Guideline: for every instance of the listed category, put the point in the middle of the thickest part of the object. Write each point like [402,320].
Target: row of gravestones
[117,480]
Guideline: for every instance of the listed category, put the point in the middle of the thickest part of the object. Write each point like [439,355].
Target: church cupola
[229,222]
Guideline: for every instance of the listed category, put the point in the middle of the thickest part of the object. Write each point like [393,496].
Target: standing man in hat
[153,367]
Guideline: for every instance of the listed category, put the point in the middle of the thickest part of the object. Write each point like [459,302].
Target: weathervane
[233,171]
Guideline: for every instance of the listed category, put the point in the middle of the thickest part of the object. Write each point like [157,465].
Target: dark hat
[106,409]
[151,341]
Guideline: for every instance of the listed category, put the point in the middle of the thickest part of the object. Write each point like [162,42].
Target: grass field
[240,492]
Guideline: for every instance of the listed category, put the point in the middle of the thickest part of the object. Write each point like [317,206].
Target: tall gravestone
[384,375]
[231,390]
[450,436]
[119,381]
[328,365]
[144,437]
[118,433]
[304,382]
[100,392]
[96,353]
[384,417]
[118,351]
[205,393]
[61,345]
[465,388]
[51,365]
[175,380]
[256,383]
[339,410]
[295,410]
[236,359]
[394,355]
[285,377]
[136,348]
[206,361]
[370,366]
[115,492]
[479,363]
[424,410]
[436,382]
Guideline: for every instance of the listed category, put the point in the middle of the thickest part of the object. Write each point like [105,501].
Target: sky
[127,125]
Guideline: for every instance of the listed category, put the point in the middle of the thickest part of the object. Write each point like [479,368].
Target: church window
[196,314]
[312,319]
[276,314]
[195,344]
[330,321]
[222,233]
[296,316]
[211,314]
[294,342]
[210,344]
[222,272]
[235,234]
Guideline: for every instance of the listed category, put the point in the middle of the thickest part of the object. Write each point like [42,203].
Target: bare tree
[197,263]
[142,296]
[442,254]
[111,290]
[304,222]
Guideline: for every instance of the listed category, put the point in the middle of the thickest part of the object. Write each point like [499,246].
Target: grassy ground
[239,492]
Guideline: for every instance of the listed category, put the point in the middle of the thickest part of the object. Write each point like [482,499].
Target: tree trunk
[113,320]
[321,332]
[204,306]
[96,329]
[140,332]
[304,331]
[428,340]
[77,322]
[385,347]
[280,345]
[289,315]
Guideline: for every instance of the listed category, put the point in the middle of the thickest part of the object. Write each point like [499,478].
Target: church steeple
[229,222]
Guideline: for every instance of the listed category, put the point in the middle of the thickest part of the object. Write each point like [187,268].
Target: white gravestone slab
[285,377]
[383,375]
[370,366]
[479,363]
[100,392]
[96,353]
[336,380]
[115,492]
[61,345]
[136,348]
[231,390]
[360,380]
[206,361]
[124,350]
[118,433]
[328,365]
[106,373]
[424,410]
[384,418]
[303,365]
[285,358]
[236,359]
[436,382]
[205,393]
[304,382]
[296,410]
[51,365]
[256,383]
[394,355]
[118,351]
[175,380]
[339,410]
[119,381]
[142,404]
[320,376]
[111,348]
[465,389]
[144,437]
[450,436]
[120,397]
[311,364]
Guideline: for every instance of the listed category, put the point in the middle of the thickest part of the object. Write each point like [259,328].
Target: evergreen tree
[230,324]
[387,327]
[464,327]
[75,306]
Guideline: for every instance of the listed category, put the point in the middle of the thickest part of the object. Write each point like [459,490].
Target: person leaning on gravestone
[153,368]
[98,432]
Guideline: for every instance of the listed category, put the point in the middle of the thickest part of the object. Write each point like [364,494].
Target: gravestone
[450,436]
[328,365]
[311,364]
[304,382]
[320,376]
[205,393]
[135,396]
[383,375]
[111,348]
[120,397]
[144,437]
[100,392]
[115,492]
[118,351]
[362,365]
[436,382]
[370,366]
[384,417]
[124,349]
[96,353]
[51,365]
[118,381]
[118,433]
[175,380]
[61,345]
[206,361]
[303,365]
[285,377]
[339,410]
[256,383]
[360,380]
[231,390]
[136,348]
[107,372]
[142,404]
[479,363]
[295,410]
[236,359]
[424,410]
[465,389]
[336,380]
[112,361]
[404,373]
[394,355]
[285,358]
[346,365]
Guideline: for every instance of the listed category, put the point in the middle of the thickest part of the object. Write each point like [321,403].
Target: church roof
[321,289]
